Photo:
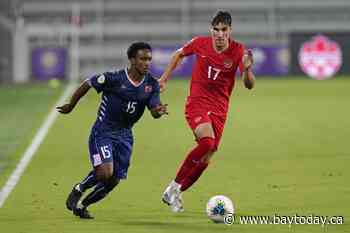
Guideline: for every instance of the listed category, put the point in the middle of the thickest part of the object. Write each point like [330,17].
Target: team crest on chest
[228,63]
[148,88]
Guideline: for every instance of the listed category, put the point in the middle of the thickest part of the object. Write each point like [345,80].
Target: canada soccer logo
[228,63]
[320,58]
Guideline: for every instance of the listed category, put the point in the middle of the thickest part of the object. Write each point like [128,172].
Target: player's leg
[204,149]
[78,189]
[195,163]
[204,133]
[101,190]
[101,157]
[106,182]
[217,125]
[109,177]
[89,181]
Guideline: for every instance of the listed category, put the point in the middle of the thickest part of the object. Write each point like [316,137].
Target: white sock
[77,187]
[175,185]
[80,205]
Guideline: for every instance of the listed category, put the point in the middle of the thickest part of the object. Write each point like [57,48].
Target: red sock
[195,173]
[205,145]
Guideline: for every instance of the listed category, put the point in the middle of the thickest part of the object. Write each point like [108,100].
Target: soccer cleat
[166,198]
[177,205]
[82,213]
[73,198]
[172,197]
[169,195]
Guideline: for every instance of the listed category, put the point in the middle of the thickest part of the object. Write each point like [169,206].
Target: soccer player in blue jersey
[125,95]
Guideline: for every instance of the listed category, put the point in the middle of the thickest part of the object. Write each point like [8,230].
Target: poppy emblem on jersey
[320,58]
[101,79]
[228,63]
[197,119]
[148,88]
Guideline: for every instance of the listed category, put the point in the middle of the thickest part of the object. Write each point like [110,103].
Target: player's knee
[104,173]
[208,144]
[207,157]
[103,176]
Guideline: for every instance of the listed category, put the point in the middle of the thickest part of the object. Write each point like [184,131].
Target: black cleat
[82,213]
[73,198]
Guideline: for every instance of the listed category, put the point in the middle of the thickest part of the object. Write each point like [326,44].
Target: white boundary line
[33,147]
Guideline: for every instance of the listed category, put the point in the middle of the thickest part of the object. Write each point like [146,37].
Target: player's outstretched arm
[159,111]
[79,92]
[176,59]
[247,75]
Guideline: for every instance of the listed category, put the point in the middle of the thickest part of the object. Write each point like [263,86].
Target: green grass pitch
[285,150]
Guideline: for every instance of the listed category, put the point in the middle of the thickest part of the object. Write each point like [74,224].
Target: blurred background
[63,39]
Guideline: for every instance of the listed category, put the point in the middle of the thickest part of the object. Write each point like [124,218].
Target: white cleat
[169,193]
[172,197]
[168,196]
[177,206]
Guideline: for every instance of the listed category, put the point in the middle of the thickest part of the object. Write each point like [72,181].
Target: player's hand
[65,109]
[248,59]
[162,84]
[161,110]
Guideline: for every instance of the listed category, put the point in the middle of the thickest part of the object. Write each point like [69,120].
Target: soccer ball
[220,208]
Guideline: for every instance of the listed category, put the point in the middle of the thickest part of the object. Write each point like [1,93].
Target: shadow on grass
[179,226]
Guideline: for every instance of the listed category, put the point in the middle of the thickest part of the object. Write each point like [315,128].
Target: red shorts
[197,114]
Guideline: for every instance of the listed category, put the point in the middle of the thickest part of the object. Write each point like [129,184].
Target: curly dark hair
[134,47]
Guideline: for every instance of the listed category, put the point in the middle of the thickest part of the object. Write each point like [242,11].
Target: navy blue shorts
[113,147]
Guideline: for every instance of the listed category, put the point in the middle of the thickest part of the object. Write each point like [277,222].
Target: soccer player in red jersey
[213,78]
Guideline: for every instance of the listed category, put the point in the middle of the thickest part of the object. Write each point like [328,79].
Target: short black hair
[221,17]
[135,47]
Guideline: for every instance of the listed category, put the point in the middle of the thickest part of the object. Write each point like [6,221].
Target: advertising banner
[161,57]
[49,63]
[268,61]
[319,55]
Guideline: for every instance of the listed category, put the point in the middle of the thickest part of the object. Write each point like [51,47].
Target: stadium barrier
[268,61]
[52,62]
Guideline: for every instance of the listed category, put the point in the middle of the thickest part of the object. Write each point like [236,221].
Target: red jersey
[213,74]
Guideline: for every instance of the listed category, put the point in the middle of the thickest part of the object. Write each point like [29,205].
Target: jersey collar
[223,51]
[132,82]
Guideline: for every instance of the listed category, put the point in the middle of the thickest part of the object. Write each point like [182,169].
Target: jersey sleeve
[241,53]
[190,47]
[154,99]
[103,82]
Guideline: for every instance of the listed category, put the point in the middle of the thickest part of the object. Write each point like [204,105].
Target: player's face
[142,61]
[221,35]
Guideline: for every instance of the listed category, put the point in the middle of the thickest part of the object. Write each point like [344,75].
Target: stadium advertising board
[49,63]
[268,61]
[161,57]
[319,55]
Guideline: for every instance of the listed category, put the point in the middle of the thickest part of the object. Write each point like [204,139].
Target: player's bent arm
[176,59]
[78,93]
[248,78]
[159,111]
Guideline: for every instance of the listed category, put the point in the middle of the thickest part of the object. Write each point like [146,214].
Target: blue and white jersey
[123,102]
